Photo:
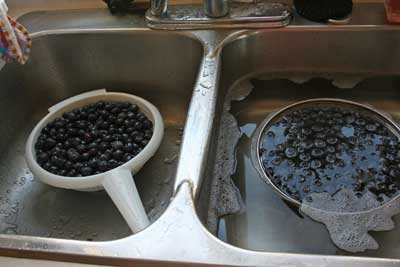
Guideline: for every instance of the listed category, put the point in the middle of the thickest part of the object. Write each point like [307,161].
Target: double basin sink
[187,75]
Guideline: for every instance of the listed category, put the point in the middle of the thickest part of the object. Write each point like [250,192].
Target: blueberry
[145,142]
[137,125]
[81,148]
[304,157]
[86,171]
[371,127]
[85,156]
[129,123]
[68,165]
[102,165]
[92,163]
[73,155]
[81,125]
[138,139]
[330,158]
[105,157]
[332,140]
[131,115]
[53,169]
[72,132]
[75,141]
[92,117]
[49,143]
[87,137]
[129,130]
[72,173]
[315,164]
[317,152]
[70,116]
[127,157]
[118,154]
[104,146]
[319,143]
[117,145]
[58,161]
[83,115]
[92,152]
[115,110]
[317,128]
[277,161]
[129,147]
[42,158]
[133,108]
[360,122]
[100,105]
[59,123]
[147,124]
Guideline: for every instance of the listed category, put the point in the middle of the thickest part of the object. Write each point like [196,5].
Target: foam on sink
[225,197]
[341,81]
[349,218]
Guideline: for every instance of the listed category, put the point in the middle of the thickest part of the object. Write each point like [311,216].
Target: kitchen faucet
[218,14]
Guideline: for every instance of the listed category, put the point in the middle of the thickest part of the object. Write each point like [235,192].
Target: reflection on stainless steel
[169,70]
[217,14]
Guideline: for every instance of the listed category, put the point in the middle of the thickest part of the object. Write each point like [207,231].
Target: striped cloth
[15,41]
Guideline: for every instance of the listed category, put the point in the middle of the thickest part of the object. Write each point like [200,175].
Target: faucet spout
[158,7]
[216,8]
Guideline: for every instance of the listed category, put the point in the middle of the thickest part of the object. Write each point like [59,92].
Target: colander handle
[120,186]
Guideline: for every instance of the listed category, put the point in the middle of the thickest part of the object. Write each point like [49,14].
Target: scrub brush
[324,10]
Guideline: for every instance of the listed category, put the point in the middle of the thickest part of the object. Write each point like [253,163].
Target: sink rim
[169,233]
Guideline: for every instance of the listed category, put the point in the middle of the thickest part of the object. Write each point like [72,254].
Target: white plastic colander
[118,182]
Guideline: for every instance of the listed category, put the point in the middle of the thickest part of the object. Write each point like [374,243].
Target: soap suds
[340,81]
[349,218]
[225,197]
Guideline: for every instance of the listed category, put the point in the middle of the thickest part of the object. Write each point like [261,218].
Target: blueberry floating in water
[93,139]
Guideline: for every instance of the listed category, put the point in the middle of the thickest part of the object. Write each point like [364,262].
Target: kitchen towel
[15,41]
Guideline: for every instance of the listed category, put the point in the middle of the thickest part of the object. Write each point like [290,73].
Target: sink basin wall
[159,67]
[349,57]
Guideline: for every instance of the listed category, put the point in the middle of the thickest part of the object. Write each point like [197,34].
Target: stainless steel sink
[159,67]
[187,75]
[284,67]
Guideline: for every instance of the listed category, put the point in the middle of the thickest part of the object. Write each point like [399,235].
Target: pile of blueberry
[93,139]
[325,149]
